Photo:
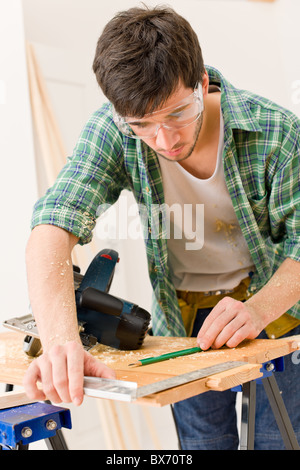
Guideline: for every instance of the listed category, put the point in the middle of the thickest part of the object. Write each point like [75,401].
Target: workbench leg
[280,413]
[248,416]
[21,446]
[56,442]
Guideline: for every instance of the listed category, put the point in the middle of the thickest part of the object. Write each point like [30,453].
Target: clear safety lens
[175,117]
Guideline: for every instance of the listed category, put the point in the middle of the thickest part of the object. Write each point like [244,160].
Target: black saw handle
[95,299]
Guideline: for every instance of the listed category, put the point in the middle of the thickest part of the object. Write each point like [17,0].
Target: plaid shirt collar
[236,111]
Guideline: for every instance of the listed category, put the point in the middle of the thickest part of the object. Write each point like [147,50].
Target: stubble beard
[192,148]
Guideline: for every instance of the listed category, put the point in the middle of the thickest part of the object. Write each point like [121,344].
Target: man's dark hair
[141,56]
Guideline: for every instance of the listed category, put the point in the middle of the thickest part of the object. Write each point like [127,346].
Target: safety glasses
[177,116]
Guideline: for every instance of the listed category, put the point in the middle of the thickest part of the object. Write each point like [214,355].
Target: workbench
[255,353]
[14,363]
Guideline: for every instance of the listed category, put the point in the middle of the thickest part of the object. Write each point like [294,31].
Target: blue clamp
[267,369]
[29,423]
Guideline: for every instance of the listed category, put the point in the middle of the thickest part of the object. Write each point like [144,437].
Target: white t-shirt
[208,251]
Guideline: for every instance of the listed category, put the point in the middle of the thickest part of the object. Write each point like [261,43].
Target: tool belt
[189,303]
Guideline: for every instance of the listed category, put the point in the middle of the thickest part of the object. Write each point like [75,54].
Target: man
[175,131]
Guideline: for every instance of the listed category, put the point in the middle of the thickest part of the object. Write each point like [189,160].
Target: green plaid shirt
[261,165]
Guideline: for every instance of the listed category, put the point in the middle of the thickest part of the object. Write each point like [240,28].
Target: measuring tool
[129,391]
[165,357]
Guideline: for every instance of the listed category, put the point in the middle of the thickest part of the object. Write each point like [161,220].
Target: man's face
[172,143]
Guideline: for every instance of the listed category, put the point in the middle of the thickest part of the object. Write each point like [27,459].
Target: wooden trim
[14,398]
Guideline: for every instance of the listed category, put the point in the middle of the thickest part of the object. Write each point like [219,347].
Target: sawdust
[229,231]
[227,228]
[109,355]
[13,354]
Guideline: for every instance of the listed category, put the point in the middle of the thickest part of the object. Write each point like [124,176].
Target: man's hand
[62,366]
[60,372]
[230,322]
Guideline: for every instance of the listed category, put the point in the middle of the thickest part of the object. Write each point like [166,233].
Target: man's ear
[205,84]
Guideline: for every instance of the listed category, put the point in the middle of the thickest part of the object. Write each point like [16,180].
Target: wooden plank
[13,361]
[220,382]
[233,378]
[14,398]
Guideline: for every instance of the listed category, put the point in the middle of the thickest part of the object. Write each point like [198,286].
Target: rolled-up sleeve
[93,175]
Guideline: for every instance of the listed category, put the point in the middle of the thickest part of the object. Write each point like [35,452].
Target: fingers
[95,368]
[239,336]
[76,373]
[30,380]
[107,373]
[57,386]
[230,322]
[60,373]
[216,321]
[49,371]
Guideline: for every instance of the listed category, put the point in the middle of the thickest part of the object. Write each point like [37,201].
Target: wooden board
[14,363]
[14,398]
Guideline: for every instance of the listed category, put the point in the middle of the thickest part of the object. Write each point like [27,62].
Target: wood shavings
[225,227]
[229,231]
[109,355]
[13,352]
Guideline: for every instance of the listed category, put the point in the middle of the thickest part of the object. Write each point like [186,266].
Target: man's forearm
[279,294]
[51,284]
[64,362]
